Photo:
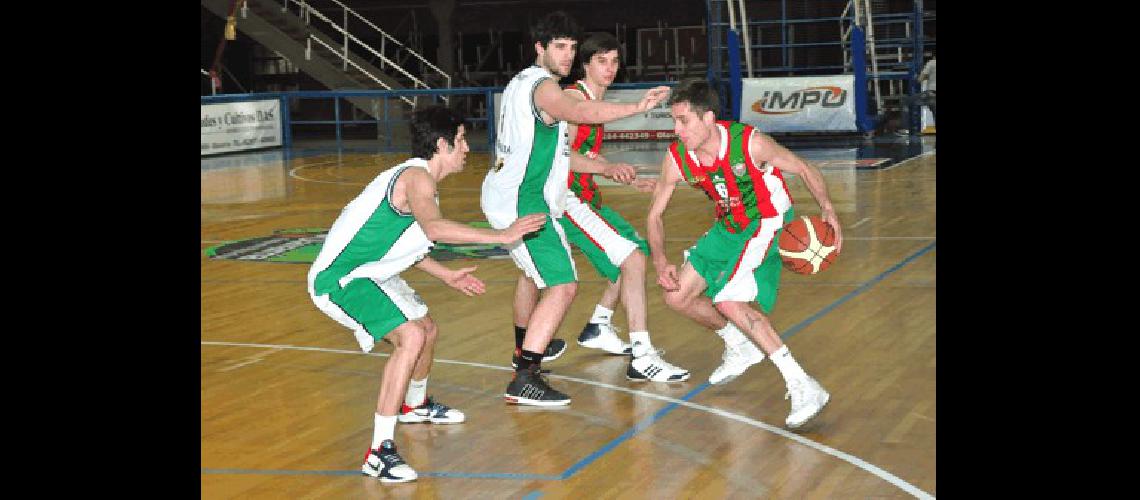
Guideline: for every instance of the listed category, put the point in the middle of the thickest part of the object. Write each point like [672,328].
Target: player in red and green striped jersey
[737,261]
[610,243]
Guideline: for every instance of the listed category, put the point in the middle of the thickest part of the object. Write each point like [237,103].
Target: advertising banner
[799,104]
[238,126]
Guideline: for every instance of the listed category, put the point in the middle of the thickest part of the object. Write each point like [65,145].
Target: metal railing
[385,121]
[306,12]
[309,49]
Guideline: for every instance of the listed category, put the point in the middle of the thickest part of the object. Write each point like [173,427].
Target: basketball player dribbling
[736,262]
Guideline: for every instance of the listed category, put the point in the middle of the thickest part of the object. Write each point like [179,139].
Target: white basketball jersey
[532,159]
[370,238]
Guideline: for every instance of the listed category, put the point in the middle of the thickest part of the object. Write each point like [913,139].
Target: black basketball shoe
[528,387]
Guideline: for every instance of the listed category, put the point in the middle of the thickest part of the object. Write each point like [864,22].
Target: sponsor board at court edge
[301,246]
[237,126]
[799,104]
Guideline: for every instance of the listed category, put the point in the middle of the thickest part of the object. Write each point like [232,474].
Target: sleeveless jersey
[370,238]
[740,190]
[531,157]
[588,141]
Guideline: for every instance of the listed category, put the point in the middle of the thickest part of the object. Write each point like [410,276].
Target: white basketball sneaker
[385,464]
[808,398]
[602,336]
[737,358]
[650,366]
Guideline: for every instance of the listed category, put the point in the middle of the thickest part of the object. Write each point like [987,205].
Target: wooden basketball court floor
[287,397]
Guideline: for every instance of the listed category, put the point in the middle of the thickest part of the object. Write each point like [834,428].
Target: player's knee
[729,309]
[635,262]
[411,338]
[431,331]
[676,301]
[565,291]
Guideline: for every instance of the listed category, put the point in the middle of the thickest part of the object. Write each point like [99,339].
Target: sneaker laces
[732,351]
[392,459]
[434,407]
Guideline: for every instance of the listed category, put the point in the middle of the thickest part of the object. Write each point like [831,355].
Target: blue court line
[460,475]
[640,426]
[862,288]
[532,495]
[788,333]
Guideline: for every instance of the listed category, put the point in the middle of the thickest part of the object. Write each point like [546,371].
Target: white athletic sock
[601,314]
[731,334]
[417,393]
[641,344]
[385,429]
[787,365]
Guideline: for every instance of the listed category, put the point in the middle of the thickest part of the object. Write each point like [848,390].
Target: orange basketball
[807,245]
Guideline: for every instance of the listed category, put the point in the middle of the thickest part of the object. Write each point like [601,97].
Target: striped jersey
[370,238]
[588,142]
[531,157]
[740,190]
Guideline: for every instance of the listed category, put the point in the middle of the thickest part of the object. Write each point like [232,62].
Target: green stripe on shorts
[364,302]
[550,256]
[715,254]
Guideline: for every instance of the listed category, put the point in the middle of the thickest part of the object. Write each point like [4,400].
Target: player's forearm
[599,111]
[434,268]
[583,165]
[656,239]
[816,186]
[447,231]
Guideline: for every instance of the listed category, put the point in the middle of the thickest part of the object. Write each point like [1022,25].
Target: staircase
[316,43]
[890,43]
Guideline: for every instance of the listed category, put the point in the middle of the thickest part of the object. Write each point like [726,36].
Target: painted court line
[891,478]
[882,474]
[674,403]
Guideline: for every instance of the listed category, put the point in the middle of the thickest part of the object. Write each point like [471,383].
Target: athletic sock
[385,428]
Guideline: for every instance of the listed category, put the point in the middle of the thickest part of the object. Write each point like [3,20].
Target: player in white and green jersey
[355,278]
[735,262]
[529,176]
[608,241]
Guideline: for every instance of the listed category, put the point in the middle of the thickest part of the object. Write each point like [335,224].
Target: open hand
[523,226]
[465,282]
[652,98]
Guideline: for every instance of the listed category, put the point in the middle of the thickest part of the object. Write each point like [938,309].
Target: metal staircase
[891,43]
[323,46]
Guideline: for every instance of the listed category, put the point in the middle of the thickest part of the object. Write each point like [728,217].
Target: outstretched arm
[559,106]
[419,188]
[764,149]
[621,172]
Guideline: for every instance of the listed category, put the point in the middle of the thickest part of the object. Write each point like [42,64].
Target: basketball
[807,245]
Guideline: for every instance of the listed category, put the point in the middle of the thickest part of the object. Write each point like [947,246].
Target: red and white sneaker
[431,412]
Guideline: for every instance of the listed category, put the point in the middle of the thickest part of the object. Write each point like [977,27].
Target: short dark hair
[596,43]
[700,95]
[431,123]
[557,24]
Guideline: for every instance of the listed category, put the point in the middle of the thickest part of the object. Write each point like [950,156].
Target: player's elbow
[433,230]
